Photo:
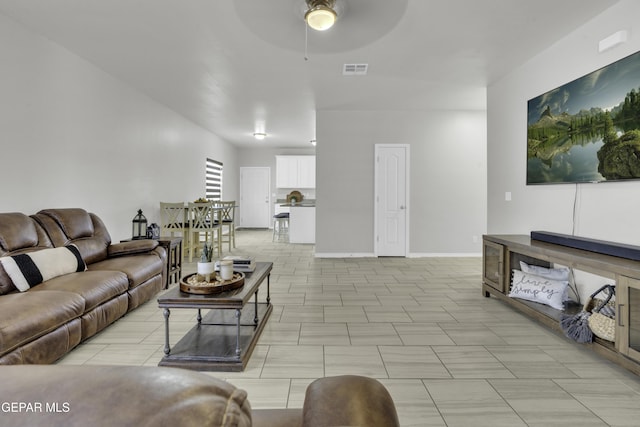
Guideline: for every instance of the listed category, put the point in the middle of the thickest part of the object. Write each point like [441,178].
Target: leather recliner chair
[63,395]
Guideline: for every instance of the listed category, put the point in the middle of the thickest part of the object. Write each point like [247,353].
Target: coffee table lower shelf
[211,344]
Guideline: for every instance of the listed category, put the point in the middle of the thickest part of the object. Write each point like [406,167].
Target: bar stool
[281,227]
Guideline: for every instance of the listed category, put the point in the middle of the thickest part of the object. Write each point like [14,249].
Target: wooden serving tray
[195,284]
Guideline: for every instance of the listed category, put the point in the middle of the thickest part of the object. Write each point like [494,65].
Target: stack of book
[241,263]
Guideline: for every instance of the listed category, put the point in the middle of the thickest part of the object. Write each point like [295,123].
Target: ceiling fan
[356,22]
[320,14]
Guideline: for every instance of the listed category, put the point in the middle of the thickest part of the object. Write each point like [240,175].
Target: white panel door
[255,203]
[391,200]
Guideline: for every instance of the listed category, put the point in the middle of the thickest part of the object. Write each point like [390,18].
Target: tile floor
[448,356]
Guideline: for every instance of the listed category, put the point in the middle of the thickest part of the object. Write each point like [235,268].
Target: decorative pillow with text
[548,273]
[538,289]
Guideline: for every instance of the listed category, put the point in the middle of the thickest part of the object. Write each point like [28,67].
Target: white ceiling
[234,66]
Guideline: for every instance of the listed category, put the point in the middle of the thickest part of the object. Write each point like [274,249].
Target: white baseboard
[445,255]
[411,255]
[344,255]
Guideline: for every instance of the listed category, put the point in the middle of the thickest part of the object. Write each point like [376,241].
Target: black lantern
[139,226]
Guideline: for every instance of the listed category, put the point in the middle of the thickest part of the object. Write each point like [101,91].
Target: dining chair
[172,219]
[203,221]
[226,214]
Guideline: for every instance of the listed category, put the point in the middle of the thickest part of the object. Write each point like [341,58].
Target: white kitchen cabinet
[286,172]
[295,171]
[307,172]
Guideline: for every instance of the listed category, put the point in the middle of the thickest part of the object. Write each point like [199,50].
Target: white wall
[447,179]
[74,136]
[606,211]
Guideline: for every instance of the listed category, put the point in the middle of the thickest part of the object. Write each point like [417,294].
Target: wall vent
[355,69]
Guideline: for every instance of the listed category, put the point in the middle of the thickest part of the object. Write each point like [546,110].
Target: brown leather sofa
[152,396]
[43,323]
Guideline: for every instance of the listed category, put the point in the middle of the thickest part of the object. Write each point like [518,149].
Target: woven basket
[602,326]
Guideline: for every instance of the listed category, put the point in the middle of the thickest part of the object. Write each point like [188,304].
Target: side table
[173,246]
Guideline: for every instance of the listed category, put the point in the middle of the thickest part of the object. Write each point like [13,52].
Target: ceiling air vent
[355,69]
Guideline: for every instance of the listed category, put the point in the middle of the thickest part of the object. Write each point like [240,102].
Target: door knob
[401,207]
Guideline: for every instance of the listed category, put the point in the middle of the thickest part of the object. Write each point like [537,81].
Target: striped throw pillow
[27,270]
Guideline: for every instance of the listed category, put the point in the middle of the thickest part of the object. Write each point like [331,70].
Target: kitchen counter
[302,223]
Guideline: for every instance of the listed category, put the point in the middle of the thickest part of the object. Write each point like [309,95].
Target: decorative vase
[206,269]
[226,270]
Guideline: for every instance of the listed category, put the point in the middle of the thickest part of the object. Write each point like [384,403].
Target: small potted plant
[206,267]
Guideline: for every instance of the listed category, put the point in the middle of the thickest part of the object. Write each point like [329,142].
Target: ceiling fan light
[320,15]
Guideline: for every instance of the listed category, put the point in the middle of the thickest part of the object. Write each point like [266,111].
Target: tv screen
[587,130]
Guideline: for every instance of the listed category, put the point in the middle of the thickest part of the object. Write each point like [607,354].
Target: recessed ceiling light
[259,135]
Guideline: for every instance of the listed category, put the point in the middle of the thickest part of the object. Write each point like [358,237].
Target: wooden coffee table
[224,338]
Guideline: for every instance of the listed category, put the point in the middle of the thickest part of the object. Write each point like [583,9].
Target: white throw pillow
[30,269]
[548,273]
[538,289]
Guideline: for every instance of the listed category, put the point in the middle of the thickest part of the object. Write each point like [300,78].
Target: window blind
[213,188]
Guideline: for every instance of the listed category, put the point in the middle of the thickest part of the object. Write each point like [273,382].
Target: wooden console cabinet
[503,253]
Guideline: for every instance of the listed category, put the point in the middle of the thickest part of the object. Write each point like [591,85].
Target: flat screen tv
[587,130]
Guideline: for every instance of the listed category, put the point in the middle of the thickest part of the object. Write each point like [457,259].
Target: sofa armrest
[119,396]
[348,400]
[131,247]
